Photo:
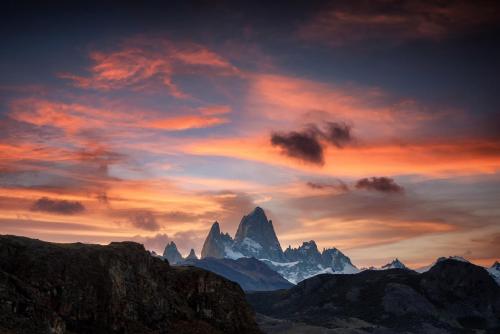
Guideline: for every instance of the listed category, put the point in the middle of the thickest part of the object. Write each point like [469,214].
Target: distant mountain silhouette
[250,273]
[172,254]
[452,297]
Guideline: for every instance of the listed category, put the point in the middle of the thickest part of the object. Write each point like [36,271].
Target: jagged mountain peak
[256,237]
[192,255]
[215,228]
[395,264]
[171,253]
[217,243]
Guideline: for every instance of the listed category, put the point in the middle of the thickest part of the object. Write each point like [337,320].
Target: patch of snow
[427,268]
[495,273]
[231,254]
[280,264]
[348,269]
[251,244]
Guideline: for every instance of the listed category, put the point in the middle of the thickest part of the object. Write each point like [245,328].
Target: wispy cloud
[395,21]
[140,62]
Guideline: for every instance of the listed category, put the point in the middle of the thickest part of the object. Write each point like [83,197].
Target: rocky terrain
[119,288]
[452,297]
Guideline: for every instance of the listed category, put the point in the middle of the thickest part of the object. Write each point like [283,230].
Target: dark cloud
[381,184]
[303,145]
[62,207]
[377,21]
[337,185]
[308,144]
[144,220]
[338,134]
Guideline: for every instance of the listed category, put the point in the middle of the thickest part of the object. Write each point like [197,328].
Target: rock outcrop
[120,288]
[192,255]
[256,237]
[217,243]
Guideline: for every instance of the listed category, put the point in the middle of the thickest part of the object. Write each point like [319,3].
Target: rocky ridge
[120,288]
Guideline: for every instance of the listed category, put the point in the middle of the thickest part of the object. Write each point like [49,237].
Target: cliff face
[216,243]
[119,288]
[256,237]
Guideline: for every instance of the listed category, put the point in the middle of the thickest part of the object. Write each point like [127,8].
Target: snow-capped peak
[494,271]
[395,264]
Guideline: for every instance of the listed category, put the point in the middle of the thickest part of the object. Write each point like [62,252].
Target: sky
[370,126]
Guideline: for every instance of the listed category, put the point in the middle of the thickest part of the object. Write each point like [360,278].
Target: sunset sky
[370,126]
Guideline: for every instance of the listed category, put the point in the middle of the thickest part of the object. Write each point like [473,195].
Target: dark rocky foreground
[119,288]
[452,297]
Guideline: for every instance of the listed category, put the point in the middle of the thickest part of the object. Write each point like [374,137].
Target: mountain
[192,255]
[306,261]
[494,271]
[255,237]
[442,258]
[119,288]
[250,273]
[452,297]
[395,264]
[172,254]
[218,244]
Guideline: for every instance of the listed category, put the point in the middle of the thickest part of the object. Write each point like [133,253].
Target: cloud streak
[61,207]
[395,21]
[381,184]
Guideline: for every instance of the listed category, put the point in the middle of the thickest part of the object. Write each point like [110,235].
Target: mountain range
[256,238]
[452,297]
[121,288]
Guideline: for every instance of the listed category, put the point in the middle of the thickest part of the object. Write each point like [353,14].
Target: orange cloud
[185,122]
[74,117]
[141,60]
[429,158]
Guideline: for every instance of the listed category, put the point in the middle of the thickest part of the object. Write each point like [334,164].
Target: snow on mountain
[395,264]
[427,268]
[256,238]
[494,271]
[229,253]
